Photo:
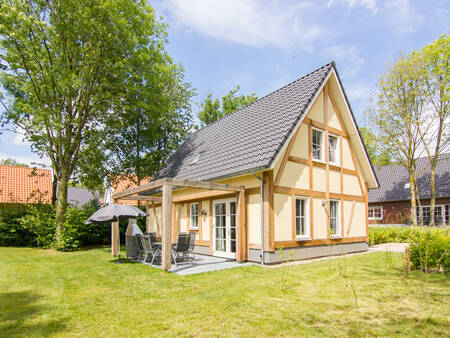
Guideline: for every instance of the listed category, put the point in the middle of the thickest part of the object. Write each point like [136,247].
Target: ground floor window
[194,216]
[376,213]
[302,217]
[441,214]
[335,218]
[447,214]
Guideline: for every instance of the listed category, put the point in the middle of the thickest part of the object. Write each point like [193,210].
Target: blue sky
[262,45]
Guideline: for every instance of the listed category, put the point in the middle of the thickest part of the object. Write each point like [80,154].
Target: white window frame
[191,215]
[322,145]
[338,233]
[447,214]
[336,150]
[373,218]
[307,234]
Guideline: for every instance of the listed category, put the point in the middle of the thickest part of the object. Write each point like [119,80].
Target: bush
[430,250]
[380,235]
[12,233]
[40,221]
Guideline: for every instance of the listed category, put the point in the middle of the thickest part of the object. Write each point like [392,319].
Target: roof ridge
[19,166]
[331,63]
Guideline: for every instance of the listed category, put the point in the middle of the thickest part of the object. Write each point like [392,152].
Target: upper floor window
[301,218]
[376,213]
[335,218]
[333,156]
[317,144]
[194,215]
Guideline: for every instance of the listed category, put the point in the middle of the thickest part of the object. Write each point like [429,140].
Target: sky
[262,45]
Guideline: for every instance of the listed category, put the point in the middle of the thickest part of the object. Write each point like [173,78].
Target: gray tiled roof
[80,196]
[393,178]
[247,139]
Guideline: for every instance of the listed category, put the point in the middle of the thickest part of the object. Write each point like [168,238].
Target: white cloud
[403,16]
[369,4]
[358,92]
[251,22]
[31,160]
[348,56]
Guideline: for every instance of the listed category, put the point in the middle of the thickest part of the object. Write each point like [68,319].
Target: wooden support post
[148,224]
[166,225]
[155,218]
[407,261]
[114,238]
[268,211]
[241,240]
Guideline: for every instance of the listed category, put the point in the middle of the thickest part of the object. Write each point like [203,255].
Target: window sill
[299,239]
[336,237]
[319,161]
[193,229]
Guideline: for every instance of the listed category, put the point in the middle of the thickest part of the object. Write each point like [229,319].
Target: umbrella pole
[118,239]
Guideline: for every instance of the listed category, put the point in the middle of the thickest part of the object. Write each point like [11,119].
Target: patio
[203,263]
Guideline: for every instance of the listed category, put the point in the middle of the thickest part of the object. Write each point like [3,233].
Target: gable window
[335,218]
[302,218]
[317,144]
[333,149]
[376,213]
[194,216]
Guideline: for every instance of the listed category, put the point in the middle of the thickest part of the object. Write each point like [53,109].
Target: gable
[339,119]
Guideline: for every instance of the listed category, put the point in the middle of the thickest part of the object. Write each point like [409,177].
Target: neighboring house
[121,185]
[390,204]
[303,142]
[81,196]
[25,185]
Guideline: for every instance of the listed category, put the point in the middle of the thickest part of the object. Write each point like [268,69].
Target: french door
[224,223]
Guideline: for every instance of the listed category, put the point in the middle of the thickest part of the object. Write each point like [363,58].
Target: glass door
[225,228]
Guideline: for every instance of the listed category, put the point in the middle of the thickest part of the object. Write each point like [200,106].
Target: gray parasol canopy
[114,212]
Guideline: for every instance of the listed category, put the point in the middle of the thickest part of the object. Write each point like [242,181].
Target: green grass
[49,293]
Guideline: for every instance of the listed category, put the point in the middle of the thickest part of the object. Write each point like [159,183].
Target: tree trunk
[61,204]
[54,188]
[433,192]
[419,206]
[413,199]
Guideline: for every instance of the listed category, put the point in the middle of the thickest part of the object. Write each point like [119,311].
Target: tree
[400,105]
[377,155]
[434,130]
[66,66]
[213,109]
[12,162]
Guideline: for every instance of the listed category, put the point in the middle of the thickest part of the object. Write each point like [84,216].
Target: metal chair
[182,249]
[140,247]
[192,237]
[149,249]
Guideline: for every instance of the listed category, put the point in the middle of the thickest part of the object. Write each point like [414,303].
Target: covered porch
[160,192]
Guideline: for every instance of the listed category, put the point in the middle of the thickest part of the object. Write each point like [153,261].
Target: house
[25,185]
[390,204]
[120,184]
[286,177]
[80,196]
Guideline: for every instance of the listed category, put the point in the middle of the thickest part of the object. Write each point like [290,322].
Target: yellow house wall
[333,120]
[254,219]
[282,217]
[316,112]
[295,175]
[300,148]
[205,227]
[351,185]
[319,219]
[347,161]
[358,226]
[319,179]
[335,181]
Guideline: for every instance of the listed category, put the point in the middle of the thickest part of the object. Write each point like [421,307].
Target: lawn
[49,293]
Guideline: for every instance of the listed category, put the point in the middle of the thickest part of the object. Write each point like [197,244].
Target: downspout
[262,215]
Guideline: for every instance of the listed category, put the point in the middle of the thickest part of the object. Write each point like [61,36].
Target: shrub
[430,250]
[41,223]
[12,233]
[380,235]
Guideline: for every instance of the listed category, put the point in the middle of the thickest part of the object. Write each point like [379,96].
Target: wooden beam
[114,238]
[166,225]
[298,160]
[202,195]
[148,227]
[268,210]
[174,224]
[298,191]
[211,237]
[145,187]
[142,198]
[240,227]
[207,185]
[325,127]
[310,157]
[286,156]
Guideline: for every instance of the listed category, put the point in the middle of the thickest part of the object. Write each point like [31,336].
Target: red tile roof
[25,185]
[123,183]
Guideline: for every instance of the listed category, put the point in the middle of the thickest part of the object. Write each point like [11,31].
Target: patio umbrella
[113,213]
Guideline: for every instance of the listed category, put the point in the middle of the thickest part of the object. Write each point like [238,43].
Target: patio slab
[203,263]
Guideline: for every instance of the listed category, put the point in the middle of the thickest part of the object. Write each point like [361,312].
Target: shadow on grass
[19,316]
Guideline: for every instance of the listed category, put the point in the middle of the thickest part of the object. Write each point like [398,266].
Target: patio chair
[192,236]
[149,249]
[139,246]
[182,249]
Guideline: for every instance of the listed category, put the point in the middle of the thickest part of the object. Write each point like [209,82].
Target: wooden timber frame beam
[168,214]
